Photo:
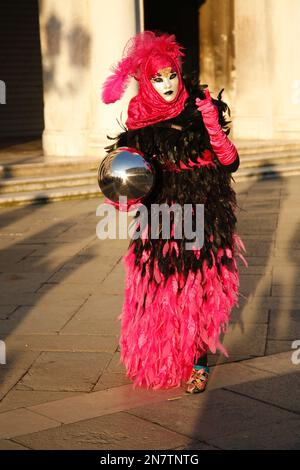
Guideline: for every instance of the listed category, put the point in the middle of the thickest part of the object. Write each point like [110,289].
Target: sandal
[198,380]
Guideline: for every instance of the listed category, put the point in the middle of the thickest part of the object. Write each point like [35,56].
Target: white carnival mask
[166,83]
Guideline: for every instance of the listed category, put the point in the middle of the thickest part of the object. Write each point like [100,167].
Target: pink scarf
[148,107]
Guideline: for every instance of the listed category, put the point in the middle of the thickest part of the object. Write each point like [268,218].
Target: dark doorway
[179,17]
[21,70]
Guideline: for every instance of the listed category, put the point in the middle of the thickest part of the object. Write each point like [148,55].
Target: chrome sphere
[125,172]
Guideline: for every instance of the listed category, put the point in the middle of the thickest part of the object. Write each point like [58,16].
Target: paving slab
[283,435]
[218,359]
[111,380]
[236,374]
[6,444]
[21,282]
[117,431]
[256,247]
[258,206]
[287,240]
[284,324]
[36,264]
[285,275]
[281,363]
[249,314]
[47,296]
[91,273]
[277,346]
[250,225]
[254,270]
[99,306]
[273,390]
[18,359]
[102,403]
[256,284]
[114,375]
[263,191]
[16,422]
[284,290]
[258,260]
[38,319]
[6,310]
[16,366]
[258,370]
[36,232]
[25,398]
[62,342]
[73,371]
[47,238]
[64,291]
[287,302]
[15,254]
[68,249]
[217,414]
[246,338]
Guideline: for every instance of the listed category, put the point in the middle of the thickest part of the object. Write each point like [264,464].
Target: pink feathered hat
[143,56]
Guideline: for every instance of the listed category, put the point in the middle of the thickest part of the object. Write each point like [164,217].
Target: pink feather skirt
[159,343]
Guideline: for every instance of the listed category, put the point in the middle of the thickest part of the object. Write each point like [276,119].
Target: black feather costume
[189,293]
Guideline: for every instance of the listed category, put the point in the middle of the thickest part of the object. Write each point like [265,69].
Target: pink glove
[221,145]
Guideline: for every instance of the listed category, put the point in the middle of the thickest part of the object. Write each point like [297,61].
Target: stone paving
[63,387]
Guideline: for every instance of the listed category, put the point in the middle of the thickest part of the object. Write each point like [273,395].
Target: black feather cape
[206,185]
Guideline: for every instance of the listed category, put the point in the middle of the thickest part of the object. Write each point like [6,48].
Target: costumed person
[177,301]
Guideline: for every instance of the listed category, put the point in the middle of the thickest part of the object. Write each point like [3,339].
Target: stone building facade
[248,47]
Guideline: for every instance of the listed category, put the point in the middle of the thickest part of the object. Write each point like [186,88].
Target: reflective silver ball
[125,172]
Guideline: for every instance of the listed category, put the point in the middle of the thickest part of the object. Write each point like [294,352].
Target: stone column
[113,22]
[284,63]
[80,40]
[66,56]
[217,56]
[254,69]
[250,47]
[234,56]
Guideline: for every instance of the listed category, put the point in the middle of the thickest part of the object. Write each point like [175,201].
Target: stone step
[248,160]
[53,166]
[92,190]
[65,179]
[39,183]
[50,195]
[49,167]
[251,153]
[13,184]
[268,171]
[253,147]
